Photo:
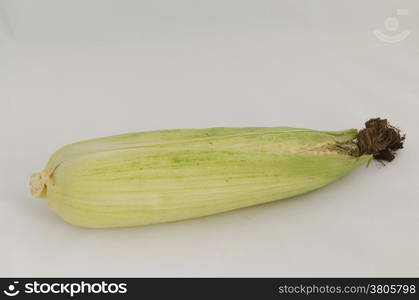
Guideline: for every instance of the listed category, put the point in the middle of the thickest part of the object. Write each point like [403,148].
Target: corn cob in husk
[162,176]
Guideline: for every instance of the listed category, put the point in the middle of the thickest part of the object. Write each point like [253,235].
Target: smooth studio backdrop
[74,70]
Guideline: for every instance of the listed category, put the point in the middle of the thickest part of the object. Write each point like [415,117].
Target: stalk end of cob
[38,183]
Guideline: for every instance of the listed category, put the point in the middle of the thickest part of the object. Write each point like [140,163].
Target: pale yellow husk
[161,176]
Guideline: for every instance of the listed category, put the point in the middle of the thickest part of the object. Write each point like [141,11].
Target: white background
[74,70]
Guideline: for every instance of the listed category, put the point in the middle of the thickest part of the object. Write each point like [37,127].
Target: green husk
[162,176]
